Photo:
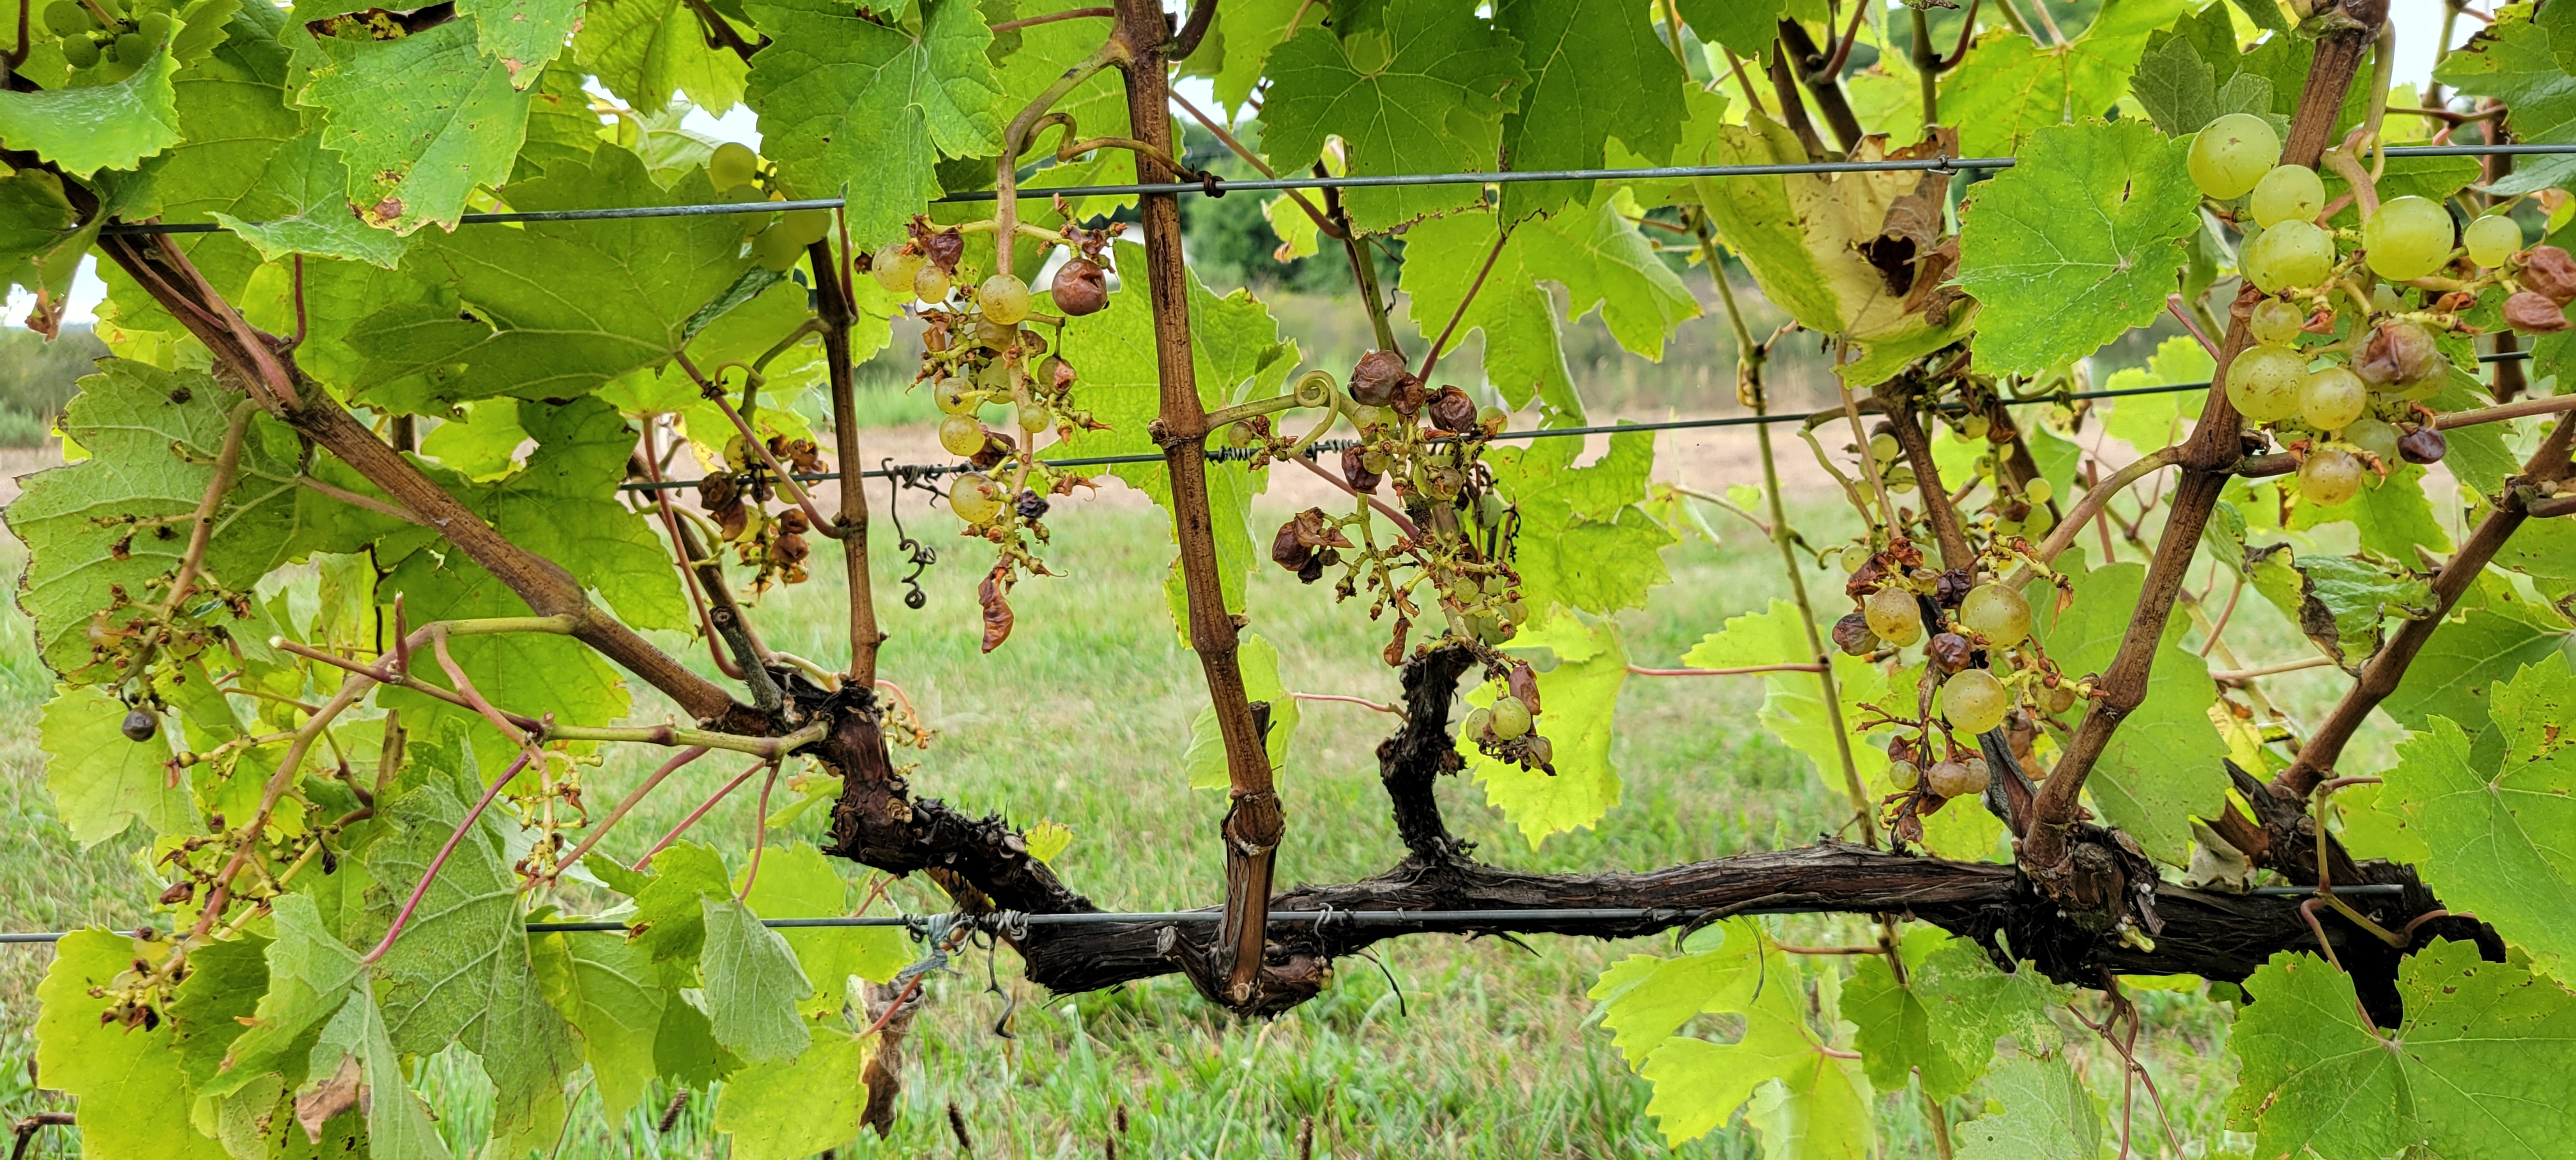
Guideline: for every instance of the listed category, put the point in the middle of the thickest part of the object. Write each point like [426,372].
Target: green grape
[895,267]
[807,226]
[2409,237]
[2264,383]
[1893,616]
[2332,397]
[1511,718]
[2329,477]
[975,498]
[1005,299]
[2373,436]
[1996,613]
[776,249]
[954,397]
[1479,721]
[1033,418]
[2038,522]
[67,18]
[2291,255]
[2232,154]
[961,435]
[80,51]
[2038,491]
[1882,447]
[2287,193]
[733,165]
[2384,299]
[2276,323]
[2491,239]
[1904,774]
[930,284]
[1974,701]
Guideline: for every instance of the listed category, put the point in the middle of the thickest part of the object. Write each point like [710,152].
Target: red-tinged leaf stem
[420,890]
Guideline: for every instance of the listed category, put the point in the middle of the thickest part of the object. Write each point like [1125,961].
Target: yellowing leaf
[1577,697]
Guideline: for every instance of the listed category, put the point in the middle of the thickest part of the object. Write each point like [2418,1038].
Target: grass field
[1443,1047]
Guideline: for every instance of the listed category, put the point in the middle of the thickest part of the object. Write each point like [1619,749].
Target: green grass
[1441,1047]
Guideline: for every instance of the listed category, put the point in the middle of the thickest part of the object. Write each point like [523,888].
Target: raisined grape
[2397,355]
[1080,288]
[2423,445]
[2528,311]
[1852,634]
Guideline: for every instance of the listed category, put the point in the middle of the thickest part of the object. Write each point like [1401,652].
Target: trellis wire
[1226,454]
[1468,918]
[1218,187]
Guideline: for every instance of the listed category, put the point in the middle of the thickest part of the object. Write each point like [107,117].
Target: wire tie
[1210,184]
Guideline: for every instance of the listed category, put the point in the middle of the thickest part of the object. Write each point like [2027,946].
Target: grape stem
[2235,676]
[428,875]
[1362,702]
[1052,17]
[1746,670]
[644,863]
[678,760]
[1006,202]
[2095,499]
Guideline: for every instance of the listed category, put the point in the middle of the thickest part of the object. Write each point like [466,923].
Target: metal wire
[1218,187]
[1227,454]
[1470,918]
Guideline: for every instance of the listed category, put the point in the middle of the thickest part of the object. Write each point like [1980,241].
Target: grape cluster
[740,176]
[1507,729]
[2348,339]
[772,544]
[103,36]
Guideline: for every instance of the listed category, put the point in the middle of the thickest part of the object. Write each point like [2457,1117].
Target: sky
[2416,22]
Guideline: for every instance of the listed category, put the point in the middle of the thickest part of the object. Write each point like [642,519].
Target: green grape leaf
[310,974]
[101,126]
[2056,281]
[481,445]
[813,1105]
[304,209]
[1597,69]
[560,123]
[420,121]
[2392,513]
[106,534]
[1584,542]
[669,924]
[1205,758]
[42,239]
[1576,698]
[1945,1018]
[2163,766]
[214,1003]
[1645,999]
[1595,253]
[2338,601]
[522,34]
[2182,92]
[128,1079]
[752,984]
[2495,633]
[1247,33]
[644,50]
[1748,28]
[2008,88]
[2150,423]
[2513,62]
[2478,1068]
[356,1053]
[102,783]
[1425,91]
[609,990]
[858,108]
[641,282]
[1699,1084]
[2497,832]
[2048,1114]
[796,881]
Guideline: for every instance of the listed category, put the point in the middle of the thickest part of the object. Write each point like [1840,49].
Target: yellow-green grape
[2038,491]
[1974,701]
[776,249]
[1904,774]
[1478,721]
[1882,447]
[1033,418]
[1893,616]
[67,18]
[2264,383]
[2329,477]
[2384,299]
[954,396]
[732,165]
[1965,777]
[2409,237]
[2291,255]
[80,51]
[2333,397]
[1005,299]
[975,498]
[2287,193]
[2373,436]
[930,284]
[130,48]
[2276,323]
[895,268]
[806,226]
[1996,613]
[2491,239]
[2038,521]
[961,435]
[2232,154]
[1511,718]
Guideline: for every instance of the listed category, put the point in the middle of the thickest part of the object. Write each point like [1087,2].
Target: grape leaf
[1700,1084]
[608,989]
[1597,69]
[752,984]
[2513,62]
[1424,92]
[214,1004]
[1205,758]
[114,125]
[1645,999]
[1583,543]
[522,34]
[2151,422]
[1577,696]
[668,923]
[42,239]
[2076,244]
[2338,601]
[2181,91]
[2163,766]
[2497,833]
[813,1105]
[128,1079]
[304,209]
[2391,513]
[420,121]
[1246,33]
[858,108]
[2497,631]
[1747,27]
[2477,1069]
[2008,87]
[1944,1020]
[1594,252]
[643,50]
[310,974]
[102,783]
[2048,1114]
[354,1048]
[796,881]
